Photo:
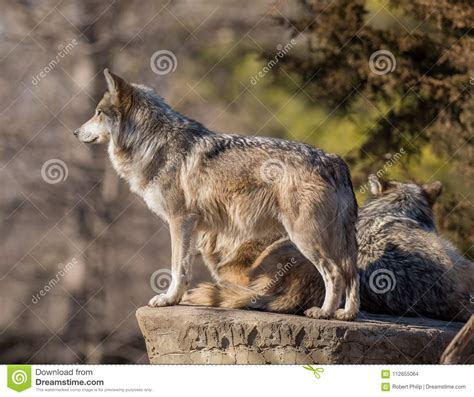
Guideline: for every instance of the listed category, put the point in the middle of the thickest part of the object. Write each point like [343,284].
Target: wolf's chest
[155,201]
[149,191]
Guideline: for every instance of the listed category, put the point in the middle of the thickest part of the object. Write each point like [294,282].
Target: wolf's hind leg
[334,285]
[314,238]
[330,272]
[182,255]
[352,303]
[348,254]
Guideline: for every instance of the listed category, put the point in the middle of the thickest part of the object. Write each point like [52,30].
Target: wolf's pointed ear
[117,87]
[376,187]
[432,191]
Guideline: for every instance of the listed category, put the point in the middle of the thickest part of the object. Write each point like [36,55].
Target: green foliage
[422,102]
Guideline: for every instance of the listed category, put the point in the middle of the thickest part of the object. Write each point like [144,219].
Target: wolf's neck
[151,150]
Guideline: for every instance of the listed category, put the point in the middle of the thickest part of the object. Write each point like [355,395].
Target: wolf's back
[409,271]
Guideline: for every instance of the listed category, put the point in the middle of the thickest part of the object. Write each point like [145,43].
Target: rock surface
[199,335]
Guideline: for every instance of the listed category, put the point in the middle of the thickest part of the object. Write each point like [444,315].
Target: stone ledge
[202,335]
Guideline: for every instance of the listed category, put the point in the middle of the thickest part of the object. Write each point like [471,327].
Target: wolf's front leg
[182,255]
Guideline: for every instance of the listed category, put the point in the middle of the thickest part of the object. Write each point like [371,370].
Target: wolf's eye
[99,112]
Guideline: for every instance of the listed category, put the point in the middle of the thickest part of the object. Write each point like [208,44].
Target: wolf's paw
[316,312]
[343,315]
[162,300]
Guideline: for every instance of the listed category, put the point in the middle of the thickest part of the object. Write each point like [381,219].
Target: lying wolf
[239,187]
[405,267]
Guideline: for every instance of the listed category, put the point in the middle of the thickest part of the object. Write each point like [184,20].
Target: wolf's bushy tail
[230,296]
[281,288]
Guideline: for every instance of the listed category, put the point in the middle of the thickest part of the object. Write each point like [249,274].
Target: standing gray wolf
[405,267]
[239,187]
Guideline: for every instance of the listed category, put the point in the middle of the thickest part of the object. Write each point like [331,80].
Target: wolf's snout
[76,132]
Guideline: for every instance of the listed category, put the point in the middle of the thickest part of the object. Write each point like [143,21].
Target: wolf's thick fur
[405,267]
[241,188]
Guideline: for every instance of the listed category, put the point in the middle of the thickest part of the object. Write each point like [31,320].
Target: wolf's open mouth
[91,140]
